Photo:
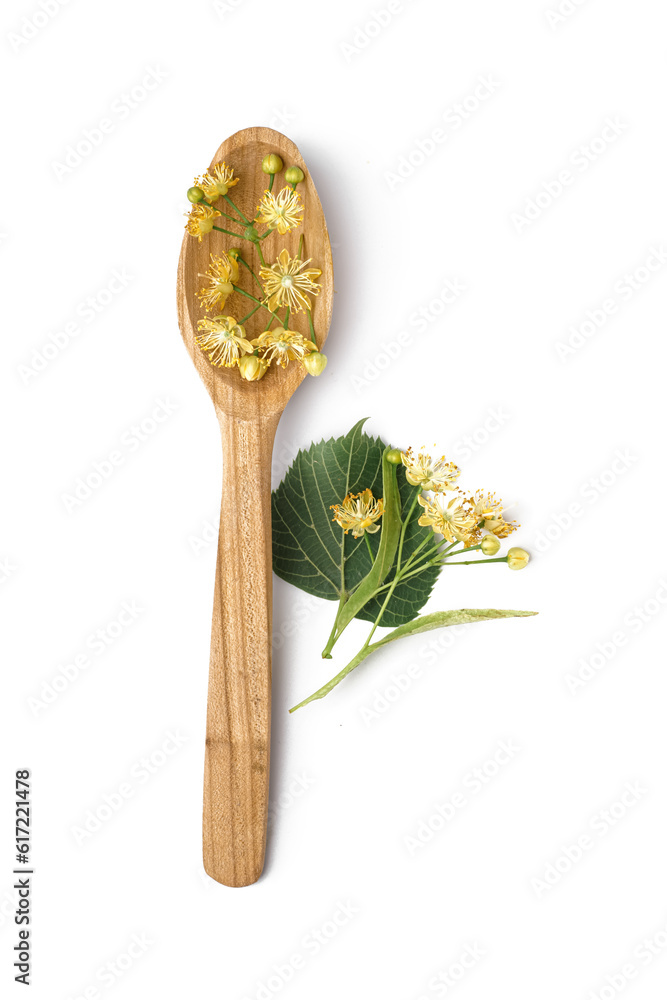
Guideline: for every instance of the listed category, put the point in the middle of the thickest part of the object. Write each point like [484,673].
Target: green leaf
[309,547]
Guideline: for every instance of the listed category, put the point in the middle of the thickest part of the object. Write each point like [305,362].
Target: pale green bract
[426,623]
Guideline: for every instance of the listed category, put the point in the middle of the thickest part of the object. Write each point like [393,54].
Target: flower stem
[406,575]
[237,210]
[412,567]
[392,588]
[331,641]
[312,328]
[236,236]
[248,267]
[475,562]
[412,558]
[236,222]
[458,552]
[259,303]
[368,546]
[248,315]
[449,547]
[403,529]
[394,583]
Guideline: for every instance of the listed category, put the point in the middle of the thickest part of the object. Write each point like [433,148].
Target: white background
[485,379]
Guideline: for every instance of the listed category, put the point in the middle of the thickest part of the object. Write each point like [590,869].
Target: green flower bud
[394,456]
[250,233]
[490,545]
[314,363]
[272,164]
[234,252]
[517,558]
[195,194]
[293,175]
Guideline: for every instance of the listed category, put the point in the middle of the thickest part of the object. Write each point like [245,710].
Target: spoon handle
[238,723]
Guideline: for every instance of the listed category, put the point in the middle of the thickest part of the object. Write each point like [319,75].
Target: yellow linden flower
[283,211]
[283,346]
[201,220]
[217,181]
[287,284]
[450,518]
[223,340]
[358,513]
[499,527]
[423,471]
[222,275]
[485,505]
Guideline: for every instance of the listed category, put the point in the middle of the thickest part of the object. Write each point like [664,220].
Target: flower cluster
[289,284]
[458,517]
[475,521]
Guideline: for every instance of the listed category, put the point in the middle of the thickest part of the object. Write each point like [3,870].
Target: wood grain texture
[238,728]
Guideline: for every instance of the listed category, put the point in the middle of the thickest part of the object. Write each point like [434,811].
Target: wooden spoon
[238,724]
